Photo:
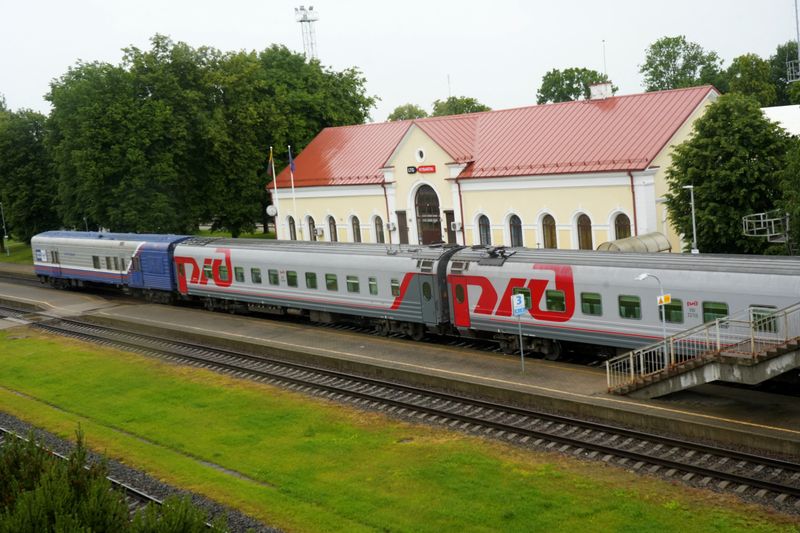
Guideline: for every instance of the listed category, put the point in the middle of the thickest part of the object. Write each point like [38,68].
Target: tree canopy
[27,180]
[750,75]
[569,84]
[674,63]
[734,159]
[458,105]
[406,112]
[175,136]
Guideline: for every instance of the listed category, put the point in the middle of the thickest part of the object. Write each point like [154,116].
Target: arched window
[429,224]
[484,230]
[333,236]
[515,228]
[379,230]
[549,231]
[622,226]
[584,232]
[356,230]
[312,229]
[292,229]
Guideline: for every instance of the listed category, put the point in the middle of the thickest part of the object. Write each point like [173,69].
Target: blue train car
[140,263]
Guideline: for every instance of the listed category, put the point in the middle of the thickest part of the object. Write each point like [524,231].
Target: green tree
[748,74]
[175,136]
[734,158]
[778,73]
[674,63]
[27,178]
[569,84]
[457,105]
[790,191]
[407,112]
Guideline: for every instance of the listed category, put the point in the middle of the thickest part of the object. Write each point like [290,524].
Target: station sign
[422,169]
[518,304]
[664,299]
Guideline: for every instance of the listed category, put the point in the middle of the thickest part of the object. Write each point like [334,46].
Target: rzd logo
[198,276]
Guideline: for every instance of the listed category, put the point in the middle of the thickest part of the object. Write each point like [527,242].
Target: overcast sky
[496,50]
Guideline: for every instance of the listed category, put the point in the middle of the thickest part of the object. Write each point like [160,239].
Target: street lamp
[5,233]
[694,224]
[641,277]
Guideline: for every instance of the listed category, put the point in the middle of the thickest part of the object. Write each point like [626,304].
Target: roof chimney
[600,91]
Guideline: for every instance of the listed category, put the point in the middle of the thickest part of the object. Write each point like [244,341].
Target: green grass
[19,253]
[306,465]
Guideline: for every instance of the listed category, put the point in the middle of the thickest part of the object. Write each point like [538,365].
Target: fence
[745,335]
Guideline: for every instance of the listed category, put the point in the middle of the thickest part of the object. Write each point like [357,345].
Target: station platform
[729,416]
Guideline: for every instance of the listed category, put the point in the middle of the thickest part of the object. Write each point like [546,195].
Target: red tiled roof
[616,134]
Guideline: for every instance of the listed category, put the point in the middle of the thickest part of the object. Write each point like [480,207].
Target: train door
[426,299]
[460,297]
[55,262]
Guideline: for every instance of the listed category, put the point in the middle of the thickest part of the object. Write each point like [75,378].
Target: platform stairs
[749,347]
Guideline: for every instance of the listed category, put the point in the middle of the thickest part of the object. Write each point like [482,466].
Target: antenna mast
[307,18]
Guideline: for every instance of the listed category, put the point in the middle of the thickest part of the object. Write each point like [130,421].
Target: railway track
[764,479]
[135,498]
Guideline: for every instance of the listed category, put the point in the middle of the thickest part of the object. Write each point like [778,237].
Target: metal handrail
[747,334]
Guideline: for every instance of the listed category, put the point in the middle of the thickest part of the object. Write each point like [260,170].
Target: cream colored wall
[564,204]
[342,208]
[407,184]
[663,161]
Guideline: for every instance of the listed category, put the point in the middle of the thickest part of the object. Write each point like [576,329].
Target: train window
[427,292]
[591,303]
[181,270]
[223,273]
[238,273]
[395,287]
[331,282]
[674,311]
[352,284]
[373,286]
[291,278]
[207,272]
[460,294]
[255,275]
[108,263]
[311,280]
[763,318]
[95,261]
[137,264]
[630,307]
[272,274]
[116,263]
[714,310]
[555,301]
[122,263]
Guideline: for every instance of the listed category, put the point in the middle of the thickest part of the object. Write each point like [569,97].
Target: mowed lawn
[307,465]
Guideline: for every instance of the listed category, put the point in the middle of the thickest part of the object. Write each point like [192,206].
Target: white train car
[399,289]
[596,298]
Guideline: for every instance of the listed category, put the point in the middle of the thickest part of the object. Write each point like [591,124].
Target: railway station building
[570,175]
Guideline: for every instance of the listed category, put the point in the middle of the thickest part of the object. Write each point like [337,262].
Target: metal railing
[745,335]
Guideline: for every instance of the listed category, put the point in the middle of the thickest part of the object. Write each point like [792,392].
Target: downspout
[386,201]
[633,198]
[461,208]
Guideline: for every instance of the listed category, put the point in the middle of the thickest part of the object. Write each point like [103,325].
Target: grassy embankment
[306,465]
[19,253]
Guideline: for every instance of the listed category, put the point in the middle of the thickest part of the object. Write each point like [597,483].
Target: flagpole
[294,198]
[275,192]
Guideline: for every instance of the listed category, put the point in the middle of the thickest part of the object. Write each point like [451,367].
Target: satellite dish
[272,210]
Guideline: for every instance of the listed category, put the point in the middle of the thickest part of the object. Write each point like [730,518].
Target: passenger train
[586,297]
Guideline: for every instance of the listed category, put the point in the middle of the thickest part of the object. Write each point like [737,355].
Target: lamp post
[5,233]
[641,277]
[694,223]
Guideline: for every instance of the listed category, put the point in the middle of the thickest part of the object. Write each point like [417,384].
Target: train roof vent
[648,242]
[200,241]
[495,256]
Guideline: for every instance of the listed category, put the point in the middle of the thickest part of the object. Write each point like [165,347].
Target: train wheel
[417,332]
[382,328]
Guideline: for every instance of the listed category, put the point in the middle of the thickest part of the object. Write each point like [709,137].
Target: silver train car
[399,289]
[595,297]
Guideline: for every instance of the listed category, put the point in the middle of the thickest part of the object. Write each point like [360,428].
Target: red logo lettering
[198,275]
